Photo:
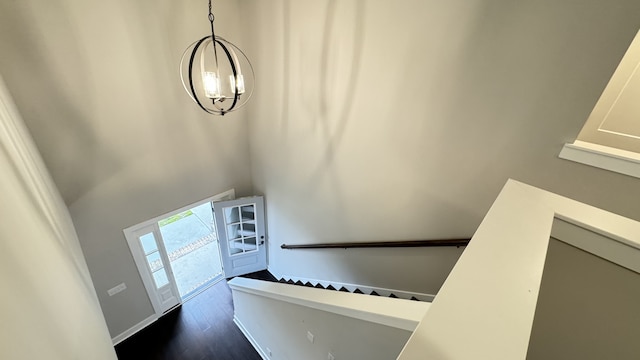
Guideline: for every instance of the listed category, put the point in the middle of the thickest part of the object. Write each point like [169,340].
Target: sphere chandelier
[216,74]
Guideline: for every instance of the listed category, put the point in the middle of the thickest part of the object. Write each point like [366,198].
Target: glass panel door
[241,231]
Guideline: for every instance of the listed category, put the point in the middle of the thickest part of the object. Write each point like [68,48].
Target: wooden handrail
[381,244]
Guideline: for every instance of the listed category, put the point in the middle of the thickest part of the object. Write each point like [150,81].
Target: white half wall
[486,308]
[278,319]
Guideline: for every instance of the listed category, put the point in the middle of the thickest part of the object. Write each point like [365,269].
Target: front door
[241,234]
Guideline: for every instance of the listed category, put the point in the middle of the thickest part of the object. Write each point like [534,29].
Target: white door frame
[133,232]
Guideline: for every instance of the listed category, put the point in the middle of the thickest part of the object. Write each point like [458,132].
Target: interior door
[241,235]
[151,258]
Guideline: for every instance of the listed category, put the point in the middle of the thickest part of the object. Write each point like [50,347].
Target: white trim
[604,157]
[249,337]
[609,248]
[617,103]
[134,329]
[227,195]
[398,313]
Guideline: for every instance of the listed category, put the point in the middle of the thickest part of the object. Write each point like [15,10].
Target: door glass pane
[248,213]
[248,229]
[233,231]
[148,242]
[160,277]
[231,215]
[235,247]
[154,261]
[250,244]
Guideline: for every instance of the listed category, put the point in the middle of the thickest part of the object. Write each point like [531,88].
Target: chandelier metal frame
[209,94]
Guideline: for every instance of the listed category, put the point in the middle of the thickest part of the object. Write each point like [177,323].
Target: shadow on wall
[336,100]
[328,96]
[407,124]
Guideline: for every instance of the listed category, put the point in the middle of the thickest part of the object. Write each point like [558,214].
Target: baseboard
[253,341]
[364,288]
[139,326]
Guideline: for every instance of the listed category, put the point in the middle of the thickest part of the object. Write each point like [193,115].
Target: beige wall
[98,85]
[378,120]
[587,307]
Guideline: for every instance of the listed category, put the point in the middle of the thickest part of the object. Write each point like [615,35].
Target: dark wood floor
[202,328]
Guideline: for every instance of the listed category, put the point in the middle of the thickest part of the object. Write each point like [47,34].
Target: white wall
[378,120]
[48,307]
[98,85]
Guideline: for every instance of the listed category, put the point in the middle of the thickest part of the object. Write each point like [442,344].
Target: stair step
[263,275]
[331,287]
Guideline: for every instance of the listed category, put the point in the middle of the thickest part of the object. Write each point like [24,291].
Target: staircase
[334,286]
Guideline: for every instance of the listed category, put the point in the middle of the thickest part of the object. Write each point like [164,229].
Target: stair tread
[263,275]
[331,287]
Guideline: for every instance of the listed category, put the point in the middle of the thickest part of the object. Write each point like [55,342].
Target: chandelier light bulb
[211,83]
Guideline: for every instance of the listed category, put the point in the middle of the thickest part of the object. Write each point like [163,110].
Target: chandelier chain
[213,35]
